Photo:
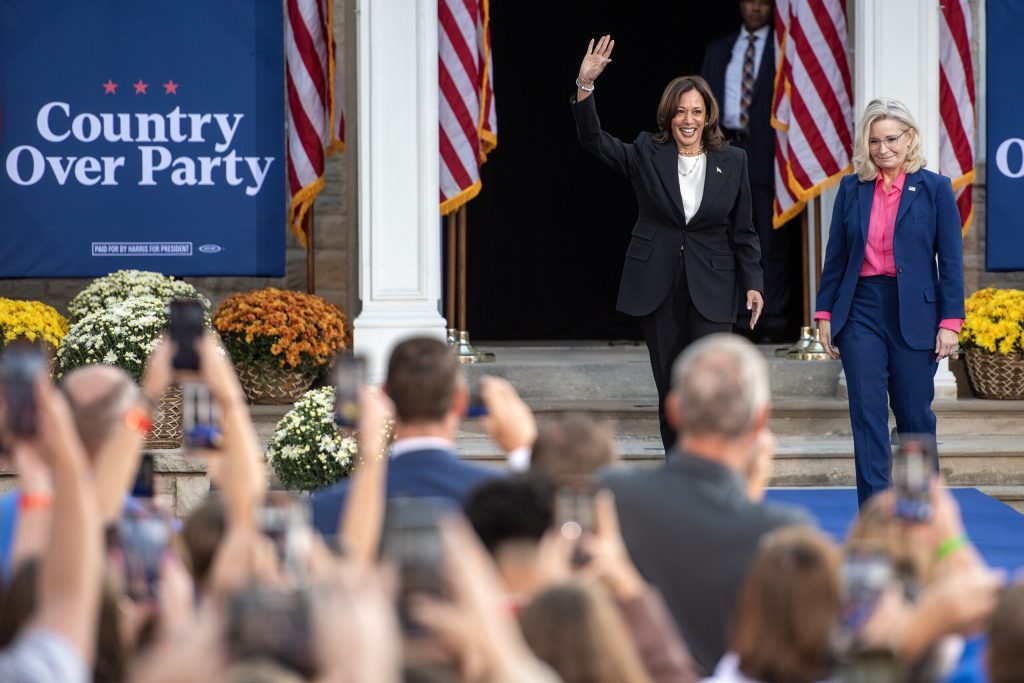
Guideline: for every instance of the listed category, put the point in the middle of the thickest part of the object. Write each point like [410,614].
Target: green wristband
[950,546]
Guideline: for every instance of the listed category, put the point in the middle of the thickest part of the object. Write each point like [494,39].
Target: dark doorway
[548,232]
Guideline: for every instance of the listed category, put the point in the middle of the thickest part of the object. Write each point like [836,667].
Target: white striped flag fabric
[812,111]
[956,104]
[316,122]
[468,124]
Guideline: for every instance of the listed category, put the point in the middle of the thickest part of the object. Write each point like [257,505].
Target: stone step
[792,415]
[1011,495]
[972,460]
[623,372]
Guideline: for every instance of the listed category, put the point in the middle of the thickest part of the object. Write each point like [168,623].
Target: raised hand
[596,59]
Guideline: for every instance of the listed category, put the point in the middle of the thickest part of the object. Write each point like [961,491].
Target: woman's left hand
[755,304]
[945,343]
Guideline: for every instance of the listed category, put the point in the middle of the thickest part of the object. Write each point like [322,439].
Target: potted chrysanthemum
[122,285]
[30,320]
[280,340]
[992,338]
[307,451]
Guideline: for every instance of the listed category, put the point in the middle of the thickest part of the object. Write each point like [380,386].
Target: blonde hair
[877,110]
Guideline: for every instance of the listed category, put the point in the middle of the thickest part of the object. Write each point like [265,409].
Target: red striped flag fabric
[812,111]
[316,122]
[468,124]
[956,104]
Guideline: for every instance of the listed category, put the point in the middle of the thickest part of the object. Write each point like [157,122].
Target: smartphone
[272,622]
[866,573]
[286,521]
[349,379]
[412,542]
[912,469]
[185,325]
[143,538]
[143,486]
[574,515]
[201,417]
[476,407]
[21,367]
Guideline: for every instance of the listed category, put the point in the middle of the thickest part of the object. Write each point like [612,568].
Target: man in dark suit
[740,68]
[689,525]
[430,396]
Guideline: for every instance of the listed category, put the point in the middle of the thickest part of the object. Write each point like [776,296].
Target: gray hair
[885,108]
[722,385]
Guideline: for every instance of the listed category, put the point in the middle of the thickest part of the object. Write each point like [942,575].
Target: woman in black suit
[693,243]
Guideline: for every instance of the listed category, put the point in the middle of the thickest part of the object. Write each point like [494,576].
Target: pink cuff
[823,315]
[951,324]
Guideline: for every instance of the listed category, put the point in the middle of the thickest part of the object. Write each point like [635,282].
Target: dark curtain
[548,232]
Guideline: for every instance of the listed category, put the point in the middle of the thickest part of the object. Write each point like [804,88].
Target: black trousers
[668,330]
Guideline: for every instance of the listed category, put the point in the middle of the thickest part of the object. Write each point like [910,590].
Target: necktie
[747,85]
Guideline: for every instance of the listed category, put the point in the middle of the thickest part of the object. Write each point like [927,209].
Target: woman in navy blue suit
[892,291]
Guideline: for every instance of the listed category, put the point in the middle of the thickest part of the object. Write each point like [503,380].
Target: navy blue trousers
[881,370]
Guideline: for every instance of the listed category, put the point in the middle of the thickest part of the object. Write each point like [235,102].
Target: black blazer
[760,145]
[693,533]
[720,247]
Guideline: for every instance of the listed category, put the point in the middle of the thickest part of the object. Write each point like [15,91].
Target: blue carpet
[996,529]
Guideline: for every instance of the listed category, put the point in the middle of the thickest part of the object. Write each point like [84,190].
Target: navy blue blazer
[431,473]
[927,225]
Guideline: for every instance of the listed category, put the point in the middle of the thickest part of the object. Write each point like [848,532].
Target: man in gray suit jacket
[689,525]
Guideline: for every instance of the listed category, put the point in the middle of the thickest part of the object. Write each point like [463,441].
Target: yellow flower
[995,321]
[33,320]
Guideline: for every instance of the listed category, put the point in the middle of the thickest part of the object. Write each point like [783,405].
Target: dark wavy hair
[712,136]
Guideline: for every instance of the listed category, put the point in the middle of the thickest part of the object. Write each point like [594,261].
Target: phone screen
[349,379]
[574,515]
[143,538]
[22,365]
[866,574]
[476,407]
[412,541]
[186,327]
[143,486]
[912,469]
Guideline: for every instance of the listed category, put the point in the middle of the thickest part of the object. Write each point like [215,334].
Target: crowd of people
[564,565]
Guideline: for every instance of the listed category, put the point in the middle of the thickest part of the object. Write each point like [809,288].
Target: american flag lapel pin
[717,168]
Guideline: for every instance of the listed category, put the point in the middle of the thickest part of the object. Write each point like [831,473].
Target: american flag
[316,123]
[468,122]
[956,104]
[812,111]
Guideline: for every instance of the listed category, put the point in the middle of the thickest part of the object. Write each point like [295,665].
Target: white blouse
[691,182]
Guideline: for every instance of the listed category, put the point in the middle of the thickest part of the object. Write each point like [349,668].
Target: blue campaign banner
[1004,208]
[141,134]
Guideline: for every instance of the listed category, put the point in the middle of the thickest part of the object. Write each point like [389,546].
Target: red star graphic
[110,88]
[170,87]
[140,87]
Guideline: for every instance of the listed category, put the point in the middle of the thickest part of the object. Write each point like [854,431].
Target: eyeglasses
[889,140]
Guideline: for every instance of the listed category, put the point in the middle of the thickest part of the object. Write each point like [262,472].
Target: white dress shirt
[734,74]
[691,185]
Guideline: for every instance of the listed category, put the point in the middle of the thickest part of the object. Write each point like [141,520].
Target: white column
[399,224]
[897,55]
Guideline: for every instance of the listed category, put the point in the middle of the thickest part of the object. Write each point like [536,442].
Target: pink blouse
[878,252]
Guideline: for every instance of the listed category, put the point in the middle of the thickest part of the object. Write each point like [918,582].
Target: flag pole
[308,230]
[809,346]
[453,335]
[464,349]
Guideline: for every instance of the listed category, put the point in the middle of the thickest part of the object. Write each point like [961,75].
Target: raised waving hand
[593,64]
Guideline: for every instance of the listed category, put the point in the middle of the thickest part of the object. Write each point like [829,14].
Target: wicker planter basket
[268,384]
[167,421]
[994,375]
